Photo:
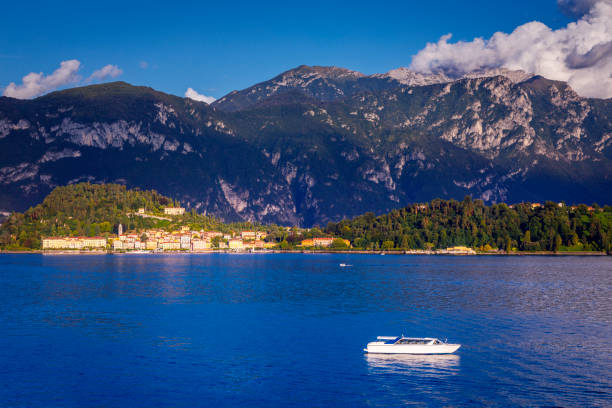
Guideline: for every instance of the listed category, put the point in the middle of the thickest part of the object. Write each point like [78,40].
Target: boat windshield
[413,341]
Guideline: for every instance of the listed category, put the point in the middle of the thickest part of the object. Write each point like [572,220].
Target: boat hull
[412,348]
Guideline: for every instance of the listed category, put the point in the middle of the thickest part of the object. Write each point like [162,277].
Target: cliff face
[316,143]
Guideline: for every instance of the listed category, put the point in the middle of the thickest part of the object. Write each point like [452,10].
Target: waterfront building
[307,242]
[322,242]
[459,250]
[170,245]
[199,244]
[236,244]
[73,242]
[54,243]
[90,242]
[185,240]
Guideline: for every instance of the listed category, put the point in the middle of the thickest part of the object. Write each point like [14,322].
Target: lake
[289,330]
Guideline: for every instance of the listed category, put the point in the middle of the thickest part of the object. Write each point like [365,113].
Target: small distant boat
[343,265]
[410,345]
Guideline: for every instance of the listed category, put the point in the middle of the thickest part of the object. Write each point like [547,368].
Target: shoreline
[358,252]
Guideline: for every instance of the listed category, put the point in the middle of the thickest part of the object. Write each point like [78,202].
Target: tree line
[445,223]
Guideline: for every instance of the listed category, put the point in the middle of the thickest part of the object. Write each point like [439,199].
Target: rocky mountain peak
[305,75]
[324,83]
[408,77]
[329,72]
[515,76]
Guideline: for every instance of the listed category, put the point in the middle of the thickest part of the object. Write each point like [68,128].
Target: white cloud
[580,53]
[35,84]
[107,71]
[191,94]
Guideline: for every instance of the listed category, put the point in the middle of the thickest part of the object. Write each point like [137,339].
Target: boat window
[412,341]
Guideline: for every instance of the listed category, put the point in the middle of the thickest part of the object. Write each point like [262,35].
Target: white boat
[410,345]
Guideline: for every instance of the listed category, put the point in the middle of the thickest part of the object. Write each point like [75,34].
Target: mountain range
[316,144]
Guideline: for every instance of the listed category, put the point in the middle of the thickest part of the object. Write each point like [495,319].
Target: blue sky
[220,46]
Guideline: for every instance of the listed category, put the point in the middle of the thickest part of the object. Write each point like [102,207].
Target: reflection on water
[423,365]
[410,379]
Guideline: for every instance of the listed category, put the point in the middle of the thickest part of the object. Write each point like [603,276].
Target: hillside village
[184,239]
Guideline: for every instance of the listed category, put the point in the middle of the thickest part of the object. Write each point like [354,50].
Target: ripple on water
[289,330]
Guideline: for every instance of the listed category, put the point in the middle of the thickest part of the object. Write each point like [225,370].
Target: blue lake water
[289,330]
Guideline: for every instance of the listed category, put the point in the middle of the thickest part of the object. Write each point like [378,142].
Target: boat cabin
[418,341]
[409,340]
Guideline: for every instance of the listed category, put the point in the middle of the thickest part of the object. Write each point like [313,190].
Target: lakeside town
[184,239]
[158,240]
[109,218]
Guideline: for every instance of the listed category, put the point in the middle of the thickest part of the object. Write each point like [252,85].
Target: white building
[174,210]
[248,235]
[185,241]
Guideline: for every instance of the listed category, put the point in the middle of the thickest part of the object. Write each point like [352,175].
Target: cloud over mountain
[192,94]
[107,71]
[36,83]
[580,53]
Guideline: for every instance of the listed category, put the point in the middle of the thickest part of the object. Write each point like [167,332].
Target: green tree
[338,243]
[508,245]
[405,243]
[557,244]
[386,245]
[526,241]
